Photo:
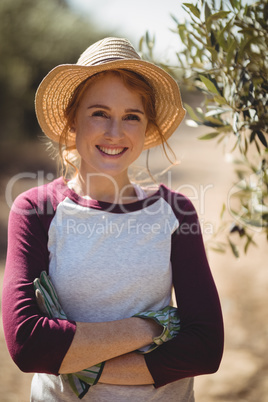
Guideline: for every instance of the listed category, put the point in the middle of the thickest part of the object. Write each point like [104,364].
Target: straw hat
[56,89]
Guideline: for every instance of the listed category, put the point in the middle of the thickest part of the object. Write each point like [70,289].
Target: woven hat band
[103,61]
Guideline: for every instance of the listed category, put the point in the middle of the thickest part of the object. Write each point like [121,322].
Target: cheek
[139,138]
[88,128]
[137,129]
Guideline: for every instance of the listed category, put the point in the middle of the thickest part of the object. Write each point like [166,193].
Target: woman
[112,249]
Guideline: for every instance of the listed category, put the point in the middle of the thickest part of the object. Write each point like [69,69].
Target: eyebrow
[97,106]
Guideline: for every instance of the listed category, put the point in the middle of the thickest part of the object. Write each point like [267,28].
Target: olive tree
[224,55]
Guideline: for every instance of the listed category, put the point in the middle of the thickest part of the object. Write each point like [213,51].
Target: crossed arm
[97,342]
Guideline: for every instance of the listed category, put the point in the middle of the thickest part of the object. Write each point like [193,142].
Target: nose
[114,129]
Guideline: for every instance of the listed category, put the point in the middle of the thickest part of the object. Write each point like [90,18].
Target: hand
[170,322]
[47,298]
[154,327]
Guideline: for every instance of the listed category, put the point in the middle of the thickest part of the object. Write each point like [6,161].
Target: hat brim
[56,89]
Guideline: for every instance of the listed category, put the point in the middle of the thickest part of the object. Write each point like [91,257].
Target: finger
[41,302]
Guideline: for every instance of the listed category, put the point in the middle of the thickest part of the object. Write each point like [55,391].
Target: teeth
[111,151]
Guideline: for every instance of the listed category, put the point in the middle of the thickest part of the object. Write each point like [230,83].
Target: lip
[111,151]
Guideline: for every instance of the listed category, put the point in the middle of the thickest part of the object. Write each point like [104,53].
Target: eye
[132,117]
[100,113]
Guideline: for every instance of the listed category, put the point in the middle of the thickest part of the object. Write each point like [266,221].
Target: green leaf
[209,136]
[220,100]
[149,41]
[192,123]
[181,30]
[233,248]
[244,45]
[247,30]
[222,210]
[257,146]
[141,43]
[215,122]
[249,242]
[213,52]
[230,52]
[215,111]
[181,63]
[219,15]
[262,138]
[234,3]
[217,249]
[209,84]
[207,11]
[227,128]
[174,19]
[221,139]
[221,35]
[193,9]
[252,136]
[195,116]
[214,17]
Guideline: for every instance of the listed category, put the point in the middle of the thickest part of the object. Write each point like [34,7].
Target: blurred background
[37,35]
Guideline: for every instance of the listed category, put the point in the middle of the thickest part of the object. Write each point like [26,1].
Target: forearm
[94,343]
[129,369]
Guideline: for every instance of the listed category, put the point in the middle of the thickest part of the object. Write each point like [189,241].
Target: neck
[105,188]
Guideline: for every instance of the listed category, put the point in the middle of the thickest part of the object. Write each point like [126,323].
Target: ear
[147,128]
[72,127]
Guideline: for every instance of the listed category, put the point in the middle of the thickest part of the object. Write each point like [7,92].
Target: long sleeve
[198,347]
[35,343]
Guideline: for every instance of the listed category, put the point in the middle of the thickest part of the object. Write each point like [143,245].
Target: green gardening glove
[168,318]
[48,303]
[47,298]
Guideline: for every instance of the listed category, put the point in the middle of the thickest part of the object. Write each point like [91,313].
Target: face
[110,127]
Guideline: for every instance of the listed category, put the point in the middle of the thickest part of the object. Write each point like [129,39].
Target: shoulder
[40,199]
[180,204]
[175,199]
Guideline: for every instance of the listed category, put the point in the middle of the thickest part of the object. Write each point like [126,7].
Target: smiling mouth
[111,151]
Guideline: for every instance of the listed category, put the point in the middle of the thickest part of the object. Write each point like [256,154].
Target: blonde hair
[69,157]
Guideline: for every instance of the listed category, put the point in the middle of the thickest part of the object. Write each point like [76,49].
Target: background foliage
[224,55]
[35,36]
